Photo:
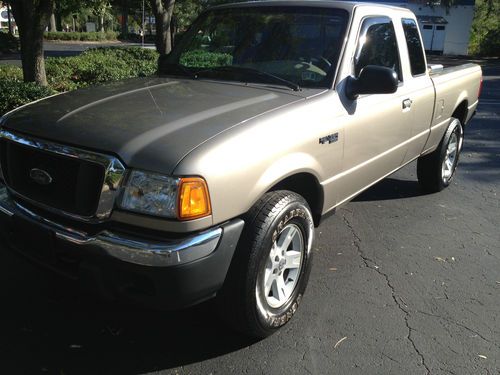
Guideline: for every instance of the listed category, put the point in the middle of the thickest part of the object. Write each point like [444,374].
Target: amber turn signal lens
[194,201]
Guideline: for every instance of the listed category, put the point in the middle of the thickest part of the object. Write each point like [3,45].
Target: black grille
[76,184]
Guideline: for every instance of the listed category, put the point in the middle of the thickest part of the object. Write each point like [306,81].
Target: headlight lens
[151,193]
[169,197]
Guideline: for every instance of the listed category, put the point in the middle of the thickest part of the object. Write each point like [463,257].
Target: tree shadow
[51,327]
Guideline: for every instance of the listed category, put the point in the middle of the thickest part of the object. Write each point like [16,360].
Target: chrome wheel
[450,158]
[283,266]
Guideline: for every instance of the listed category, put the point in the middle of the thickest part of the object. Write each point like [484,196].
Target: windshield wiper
[251,71]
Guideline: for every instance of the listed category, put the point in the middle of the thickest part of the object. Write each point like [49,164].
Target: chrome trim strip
[126,248]
[113,175]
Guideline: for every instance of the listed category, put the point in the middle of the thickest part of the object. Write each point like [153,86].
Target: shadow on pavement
[390,188]
[50,327]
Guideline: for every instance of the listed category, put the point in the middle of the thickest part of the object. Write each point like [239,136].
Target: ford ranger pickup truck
[208,179]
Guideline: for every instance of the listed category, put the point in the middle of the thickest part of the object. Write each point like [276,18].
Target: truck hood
[149,123]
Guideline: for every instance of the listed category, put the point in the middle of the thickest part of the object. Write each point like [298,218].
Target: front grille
[75,185]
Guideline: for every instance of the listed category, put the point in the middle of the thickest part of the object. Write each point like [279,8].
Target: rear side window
[415,50]
[377,45]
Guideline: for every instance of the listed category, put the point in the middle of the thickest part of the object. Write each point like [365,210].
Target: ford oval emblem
[40,176]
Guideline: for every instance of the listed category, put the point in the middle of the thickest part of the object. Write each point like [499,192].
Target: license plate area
[33,240]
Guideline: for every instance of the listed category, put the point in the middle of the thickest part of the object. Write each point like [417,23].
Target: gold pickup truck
[208,179]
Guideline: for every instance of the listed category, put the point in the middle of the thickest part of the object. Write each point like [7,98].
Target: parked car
[209,179]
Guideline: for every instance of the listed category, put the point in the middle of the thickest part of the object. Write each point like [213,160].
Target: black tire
[430,168]
[242,301]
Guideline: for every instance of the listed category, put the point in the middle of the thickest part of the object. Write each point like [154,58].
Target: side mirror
[372,79]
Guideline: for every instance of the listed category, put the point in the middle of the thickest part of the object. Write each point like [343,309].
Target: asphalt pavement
[402,283]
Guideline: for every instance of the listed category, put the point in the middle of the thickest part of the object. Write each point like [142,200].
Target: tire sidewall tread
[248,314]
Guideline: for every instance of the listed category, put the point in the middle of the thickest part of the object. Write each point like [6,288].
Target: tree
[163,11]
[32,17]
[100,9]
[65,9]
[485,33]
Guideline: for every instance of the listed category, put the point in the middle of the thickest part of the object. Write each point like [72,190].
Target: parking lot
[402,283]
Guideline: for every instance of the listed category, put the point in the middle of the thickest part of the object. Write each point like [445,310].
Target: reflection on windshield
[296,44]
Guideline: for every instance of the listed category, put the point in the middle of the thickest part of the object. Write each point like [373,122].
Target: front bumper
[168,273]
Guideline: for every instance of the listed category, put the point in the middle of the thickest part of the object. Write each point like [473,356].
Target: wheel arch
[461,111]
[308,186]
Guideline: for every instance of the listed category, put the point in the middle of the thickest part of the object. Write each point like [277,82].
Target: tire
[436,170]
[253,300]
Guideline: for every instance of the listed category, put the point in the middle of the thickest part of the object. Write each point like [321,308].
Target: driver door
[378,125]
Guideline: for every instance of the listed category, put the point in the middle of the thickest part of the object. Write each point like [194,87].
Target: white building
[444,31]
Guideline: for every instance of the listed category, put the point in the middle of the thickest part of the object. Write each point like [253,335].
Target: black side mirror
[372,79]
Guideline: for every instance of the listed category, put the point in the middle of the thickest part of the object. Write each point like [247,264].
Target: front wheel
[270,269]
[436,170]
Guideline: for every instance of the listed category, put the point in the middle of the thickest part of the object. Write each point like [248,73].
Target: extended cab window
[377,45]
[415,50]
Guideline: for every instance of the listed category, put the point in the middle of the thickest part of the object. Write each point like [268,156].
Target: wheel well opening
[309,188]
[461,112]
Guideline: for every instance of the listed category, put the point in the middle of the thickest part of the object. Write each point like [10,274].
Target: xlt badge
[332,138]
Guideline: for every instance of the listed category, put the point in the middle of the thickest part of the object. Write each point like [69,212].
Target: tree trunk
[125,9]
[101,21]
[53,26]
[32,17]
[163,11]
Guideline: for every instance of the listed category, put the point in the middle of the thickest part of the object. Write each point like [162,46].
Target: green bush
[142,62]
[8,43]
[11,73]
[14,94]
[205,59]
[92,67]
[99,65]
[60,73]
[84,37]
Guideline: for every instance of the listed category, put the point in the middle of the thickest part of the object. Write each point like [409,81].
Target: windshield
[300,45]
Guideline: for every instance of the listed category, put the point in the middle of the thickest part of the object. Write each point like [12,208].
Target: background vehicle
[209,179]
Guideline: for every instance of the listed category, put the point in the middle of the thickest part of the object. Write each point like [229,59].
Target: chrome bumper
[126,248]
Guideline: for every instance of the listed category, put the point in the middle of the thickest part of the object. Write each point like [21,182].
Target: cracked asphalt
[402,283]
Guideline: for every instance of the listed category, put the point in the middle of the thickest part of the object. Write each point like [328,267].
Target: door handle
[407,104]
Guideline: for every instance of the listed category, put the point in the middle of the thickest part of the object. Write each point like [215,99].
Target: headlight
[169,197]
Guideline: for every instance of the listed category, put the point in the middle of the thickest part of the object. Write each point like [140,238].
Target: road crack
[369,263]
[473,331]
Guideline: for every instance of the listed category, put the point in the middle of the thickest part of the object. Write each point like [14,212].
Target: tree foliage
[485,35]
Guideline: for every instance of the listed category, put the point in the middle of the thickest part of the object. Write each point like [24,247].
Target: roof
[347,5]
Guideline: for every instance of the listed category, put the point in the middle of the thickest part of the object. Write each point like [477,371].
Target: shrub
[92,67]
[60,74]
[84,37]
[8,43]
[205,59]
[11,73]
[143,62]
[14,94]
[99,65]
